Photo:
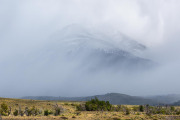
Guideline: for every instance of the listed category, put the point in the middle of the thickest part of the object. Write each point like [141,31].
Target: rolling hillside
[176,103]
[167,99]
[113,98]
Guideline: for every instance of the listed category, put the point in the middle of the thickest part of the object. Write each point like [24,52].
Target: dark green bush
[97,105]
[4,109]
[172,108]
[46,112]
[127,111]
[15,113]
[33,111]
[141,108]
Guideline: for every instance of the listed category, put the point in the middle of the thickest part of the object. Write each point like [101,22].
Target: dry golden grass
[70,112]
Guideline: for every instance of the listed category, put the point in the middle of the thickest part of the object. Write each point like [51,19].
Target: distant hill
[113,98]
[176,103]
[167,99]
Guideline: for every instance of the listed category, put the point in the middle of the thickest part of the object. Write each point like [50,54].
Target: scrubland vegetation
[19,109]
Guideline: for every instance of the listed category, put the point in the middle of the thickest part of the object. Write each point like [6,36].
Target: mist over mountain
[94,50]
[88,47]
[76,53]
[167,99]
[176,103]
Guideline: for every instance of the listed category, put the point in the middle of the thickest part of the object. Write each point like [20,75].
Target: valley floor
[71,113]
[95,116]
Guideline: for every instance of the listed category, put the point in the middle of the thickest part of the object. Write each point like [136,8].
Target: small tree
[26,111]
[4,109]
[141,108]
[33,111]
[127,111]
[57,111]
[172,108]
[15,113]
[97,105]
[46,112]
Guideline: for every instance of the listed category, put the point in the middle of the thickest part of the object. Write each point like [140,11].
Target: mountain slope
[167,99]
[98,50]
[176,103]
[113,98]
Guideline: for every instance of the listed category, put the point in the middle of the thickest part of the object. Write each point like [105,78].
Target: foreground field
[70,112]
[94,116]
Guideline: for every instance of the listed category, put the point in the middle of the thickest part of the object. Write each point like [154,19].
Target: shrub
[57,111]
[96,105]
[73,104]
[135,108]
[177,112]
[73,116]
[3,113]
[4,109]
[15,113]
[127,111]
[50,112]
[81,107]
[66,104]
[172,108]
[141,108]
[33,111]
[46,112]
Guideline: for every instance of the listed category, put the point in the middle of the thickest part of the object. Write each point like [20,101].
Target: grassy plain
[71,113]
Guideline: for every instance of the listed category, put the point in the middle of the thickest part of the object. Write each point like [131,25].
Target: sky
[27,30]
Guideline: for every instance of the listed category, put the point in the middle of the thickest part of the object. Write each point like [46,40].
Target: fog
[33,54]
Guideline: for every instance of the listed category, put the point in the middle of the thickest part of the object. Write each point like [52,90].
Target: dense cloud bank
[42,48]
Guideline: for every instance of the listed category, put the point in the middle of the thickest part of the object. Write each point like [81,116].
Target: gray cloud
[33,59]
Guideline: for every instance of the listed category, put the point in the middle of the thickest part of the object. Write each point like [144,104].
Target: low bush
[46,112]
[15,113]
[97,105]
[4,109]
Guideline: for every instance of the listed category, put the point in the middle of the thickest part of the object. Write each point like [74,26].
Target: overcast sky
[26,29]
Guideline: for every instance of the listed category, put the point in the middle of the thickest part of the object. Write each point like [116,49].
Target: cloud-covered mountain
[88,55]
[80,55]
[94,50]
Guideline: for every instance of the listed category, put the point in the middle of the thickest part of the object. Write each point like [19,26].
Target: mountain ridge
[113,98]
[107,51]
[167,99]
